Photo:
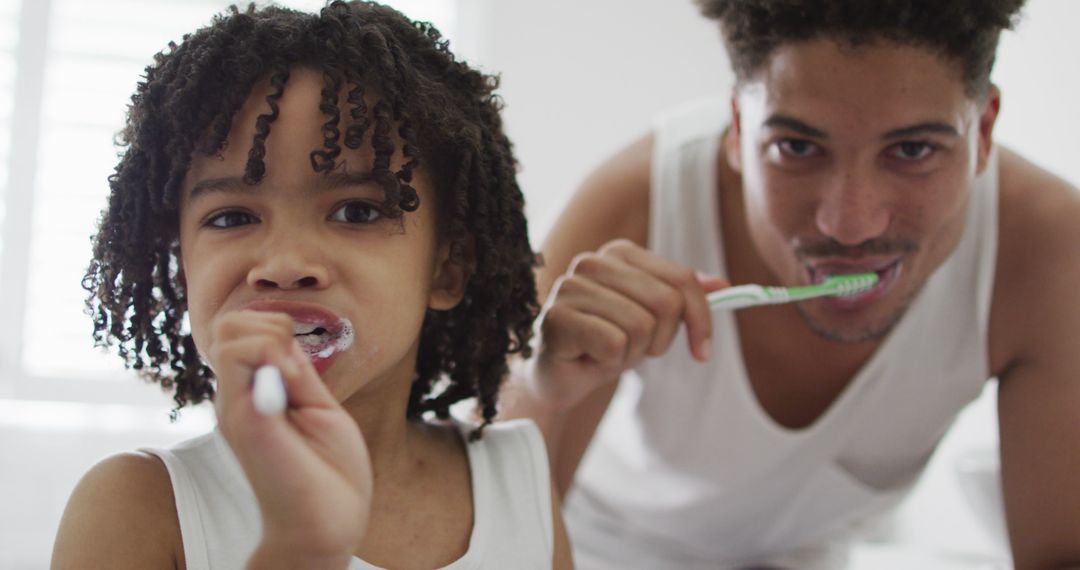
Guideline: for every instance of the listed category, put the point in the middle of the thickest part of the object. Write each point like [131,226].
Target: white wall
[581,78]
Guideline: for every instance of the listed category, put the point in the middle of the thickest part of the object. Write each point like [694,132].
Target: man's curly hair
[965,31]
[446,114]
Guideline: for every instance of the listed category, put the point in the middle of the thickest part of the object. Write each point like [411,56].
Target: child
[331,195]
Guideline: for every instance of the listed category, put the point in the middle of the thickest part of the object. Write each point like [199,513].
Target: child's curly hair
[445,113]
[963,30]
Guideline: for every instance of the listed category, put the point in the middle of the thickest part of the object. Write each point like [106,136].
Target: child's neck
[396,445]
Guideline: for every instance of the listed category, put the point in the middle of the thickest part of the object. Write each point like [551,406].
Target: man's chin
[855,328]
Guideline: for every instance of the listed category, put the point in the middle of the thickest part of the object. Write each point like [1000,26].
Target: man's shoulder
[1038,216]
[1038,261]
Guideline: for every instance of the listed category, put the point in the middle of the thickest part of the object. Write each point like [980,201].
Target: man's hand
[610,310]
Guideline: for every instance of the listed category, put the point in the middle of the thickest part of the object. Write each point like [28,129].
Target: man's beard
[872,332]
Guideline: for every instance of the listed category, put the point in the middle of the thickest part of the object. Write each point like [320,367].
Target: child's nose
[289,268]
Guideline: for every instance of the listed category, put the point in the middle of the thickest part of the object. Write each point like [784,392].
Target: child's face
[312,243]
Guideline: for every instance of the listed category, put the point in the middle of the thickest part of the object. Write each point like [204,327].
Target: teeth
[304,328]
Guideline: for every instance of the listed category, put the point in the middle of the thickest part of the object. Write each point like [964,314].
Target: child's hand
[309,466]
[610,310]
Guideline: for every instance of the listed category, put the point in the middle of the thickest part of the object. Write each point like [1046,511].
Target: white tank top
[512,523]
[688,471]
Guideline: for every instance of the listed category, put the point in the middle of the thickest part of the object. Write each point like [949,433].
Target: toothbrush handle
[742,296]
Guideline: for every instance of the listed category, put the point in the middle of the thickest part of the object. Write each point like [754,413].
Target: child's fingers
[236,361]
[304,385]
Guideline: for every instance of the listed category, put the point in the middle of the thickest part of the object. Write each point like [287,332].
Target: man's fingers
[583,336]
[693,307]
[586,296]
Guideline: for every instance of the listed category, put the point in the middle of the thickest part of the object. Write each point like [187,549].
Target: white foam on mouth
[324,345]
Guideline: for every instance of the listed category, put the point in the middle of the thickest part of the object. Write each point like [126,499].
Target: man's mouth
[888,272]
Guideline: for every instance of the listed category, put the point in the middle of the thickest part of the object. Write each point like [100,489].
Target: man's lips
[888,272]
[818,271]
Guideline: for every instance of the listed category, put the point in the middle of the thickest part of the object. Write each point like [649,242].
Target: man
[859,138]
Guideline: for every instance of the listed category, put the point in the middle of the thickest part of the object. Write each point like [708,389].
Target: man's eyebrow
[791,123]
[235,184]
[935,127]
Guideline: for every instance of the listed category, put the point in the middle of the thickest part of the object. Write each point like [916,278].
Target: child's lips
[322,334]
[304,313]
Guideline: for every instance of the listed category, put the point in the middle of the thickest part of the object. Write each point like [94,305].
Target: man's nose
[853,209]
[289,264]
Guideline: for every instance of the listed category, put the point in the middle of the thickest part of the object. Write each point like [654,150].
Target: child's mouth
[321,333]
[321,341]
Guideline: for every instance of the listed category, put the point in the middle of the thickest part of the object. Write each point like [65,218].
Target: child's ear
[452,274]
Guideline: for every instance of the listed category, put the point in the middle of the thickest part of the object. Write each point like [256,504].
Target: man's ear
[452,273]
[733,140]
[987,120]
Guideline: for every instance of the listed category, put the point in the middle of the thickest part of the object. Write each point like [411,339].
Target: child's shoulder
[520,432]
[514,446]
[121,512]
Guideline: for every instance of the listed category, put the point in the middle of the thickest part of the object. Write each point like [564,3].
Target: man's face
[853,160]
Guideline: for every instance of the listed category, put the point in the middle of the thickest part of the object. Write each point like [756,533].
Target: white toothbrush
[268,391]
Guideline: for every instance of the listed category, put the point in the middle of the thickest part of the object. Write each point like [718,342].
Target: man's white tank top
[220,522]
[688,471]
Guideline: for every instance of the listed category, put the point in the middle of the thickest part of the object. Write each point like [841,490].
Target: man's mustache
[832,248]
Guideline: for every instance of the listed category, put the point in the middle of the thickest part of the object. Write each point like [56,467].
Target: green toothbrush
[753,295]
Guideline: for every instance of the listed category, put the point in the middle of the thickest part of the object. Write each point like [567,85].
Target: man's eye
[356,213]
[797,148]
[230,219]
[913,150]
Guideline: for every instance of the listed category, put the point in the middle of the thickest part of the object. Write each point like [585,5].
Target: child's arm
[121,515]
[309,466]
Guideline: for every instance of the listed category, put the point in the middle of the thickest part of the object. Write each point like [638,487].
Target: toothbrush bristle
[852,284]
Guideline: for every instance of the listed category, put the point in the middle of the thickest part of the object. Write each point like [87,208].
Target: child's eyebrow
[236,185]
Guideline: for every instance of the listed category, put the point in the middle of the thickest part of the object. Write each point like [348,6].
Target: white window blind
[94,54]
[9,37]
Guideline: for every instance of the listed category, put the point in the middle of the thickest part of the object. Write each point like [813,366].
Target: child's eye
[229,219]
[912,150]
[356,212]
[797,148]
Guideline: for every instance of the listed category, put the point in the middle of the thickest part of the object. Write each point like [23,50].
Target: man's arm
[612,203]
[1035,350]
[608,304]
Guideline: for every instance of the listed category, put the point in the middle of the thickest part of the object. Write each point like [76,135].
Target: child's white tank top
[512,523]
[687,471]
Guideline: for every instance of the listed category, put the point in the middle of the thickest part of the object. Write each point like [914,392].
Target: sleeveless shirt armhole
[196,556]
[541,472]
[988,246]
